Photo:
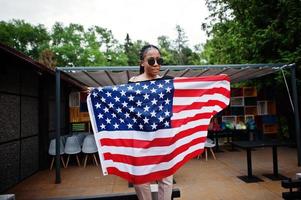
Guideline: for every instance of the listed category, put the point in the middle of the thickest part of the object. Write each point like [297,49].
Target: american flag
[147,130]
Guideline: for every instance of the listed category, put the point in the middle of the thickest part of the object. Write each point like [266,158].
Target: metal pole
[58,126]
[296,110]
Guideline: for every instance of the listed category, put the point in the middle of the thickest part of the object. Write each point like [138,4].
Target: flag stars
[99,89]
[153,90]
[168,90]
[111,105]
[97,105]
[138,92]
[145,87]
[146,108]
[118,110]
[94,94]
[103,99]
[116,126]
[127,115]
[161,119]
[153,113]
[114,115]
[167,113]
[154,126]
[167,101]
[121,120]
[141,126]
[106,109]
[122,93]
[131,98]
[145,120]
[166,124]
[131,109]
[153,82]
[102,126]
[100,116]
[161,107]
[146,96]
[124,104]
[115,88]
[138,114]
[161,95]
[160,86]
[108,121]
[130,87]
[109,94]
[139,103]
[154,101]
[117,99]
[129,125]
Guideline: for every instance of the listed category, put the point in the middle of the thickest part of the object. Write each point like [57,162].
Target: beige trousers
[143,191]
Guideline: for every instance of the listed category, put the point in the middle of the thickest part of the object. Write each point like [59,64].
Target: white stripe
[153,151]
[191,113]
[146,169]
[202,85]
[148,136]
[94,127]
[204,98]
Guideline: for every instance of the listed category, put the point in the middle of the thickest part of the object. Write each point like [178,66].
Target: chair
[209,144]
[52,152]
[72,147]
[89,148]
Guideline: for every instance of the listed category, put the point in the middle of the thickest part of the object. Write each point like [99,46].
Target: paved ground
[197,179]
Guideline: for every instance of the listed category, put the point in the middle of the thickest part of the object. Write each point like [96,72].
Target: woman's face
[151,57]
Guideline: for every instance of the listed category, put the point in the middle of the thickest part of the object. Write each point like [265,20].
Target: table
[249,145]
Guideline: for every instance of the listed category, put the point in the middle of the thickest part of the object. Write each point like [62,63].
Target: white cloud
[144,20]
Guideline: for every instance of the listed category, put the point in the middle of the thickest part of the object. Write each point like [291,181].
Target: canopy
[103,76]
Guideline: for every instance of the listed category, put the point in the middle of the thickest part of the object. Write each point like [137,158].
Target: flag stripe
[140,152]
[204,98]
[200,92]
[202,78]
[197,105]
[180,122]
[190,113]
[148,160]
[158,142]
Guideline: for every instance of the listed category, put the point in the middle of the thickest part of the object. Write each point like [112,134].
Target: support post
[58,126]
[296,110]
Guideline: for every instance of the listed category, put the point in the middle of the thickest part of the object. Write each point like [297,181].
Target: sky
[142,19]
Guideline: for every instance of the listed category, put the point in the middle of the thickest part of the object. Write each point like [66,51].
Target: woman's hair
[142,53]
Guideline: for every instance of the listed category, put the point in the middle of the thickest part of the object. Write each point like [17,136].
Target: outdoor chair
[89,148]
[72,147]
[52,152]
[209,144]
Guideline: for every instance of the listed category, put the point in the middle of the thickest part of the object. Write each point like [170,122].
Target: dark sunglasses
[151,61]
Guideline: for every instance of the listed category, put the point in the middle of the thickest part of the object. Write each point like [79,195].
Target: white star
[131,98]
[137,83]
[145,87]
[154,126]
[167,101]
[116,125]
[118,110]
[97,105]
[134,120]
[146,96]
[139,103]
[108,121]
[124,104]
[127,115]
[161,119]
[154,101]
[166,124]
[130,125]
[167,81]
[117,99]
[160,107]
[168,89]
[153,82]
[111,105]
[153,90]
[103,99]
[138,92]
[138,114]
[130,87]
[131,109]
[121,120]
[145,120]
[108,94]
[122,93]
[94,94]
[113,115]
[161,95]
[102,126]
[160,86]
[106,109]
[167,113]
[146,108]
[140,126]
[115,88]
[99,89]
[100,116]
[153,113]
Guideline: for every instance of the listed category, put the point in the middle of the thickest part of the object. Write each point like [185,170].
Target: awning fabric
[103,76]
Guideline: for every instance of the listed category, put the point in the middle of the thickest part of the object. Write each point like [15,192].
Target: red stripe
[204,78]
[198,105]
[155,175]
[179,122]
[157,142]
[200,92]
[149,160]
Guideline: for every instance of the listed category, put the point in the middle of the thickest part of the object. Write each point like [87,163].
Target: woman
[150,63]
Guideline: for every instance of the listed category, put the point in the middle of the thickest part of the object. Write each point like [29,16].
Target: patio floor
[197,179]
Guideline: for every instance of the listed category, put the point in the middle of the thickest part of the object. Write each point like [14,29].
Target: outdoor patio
[197,179]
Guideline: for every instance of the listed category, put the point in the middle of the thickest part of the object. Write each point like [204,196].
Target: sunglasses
[151,61]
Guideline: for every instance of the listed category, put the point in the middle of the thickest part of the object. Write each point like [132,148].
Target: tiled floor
[197,179]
